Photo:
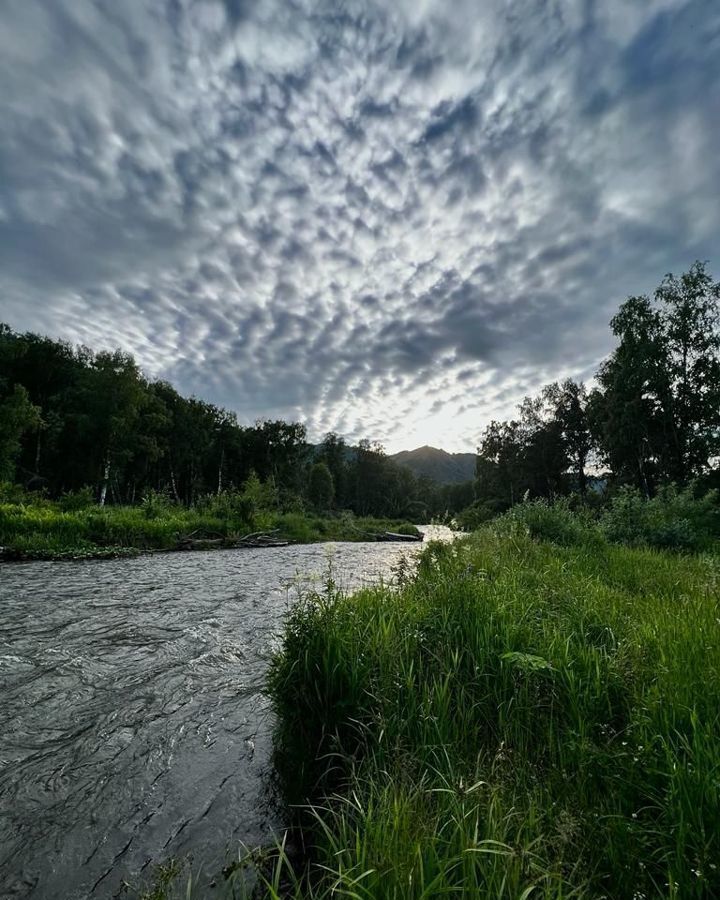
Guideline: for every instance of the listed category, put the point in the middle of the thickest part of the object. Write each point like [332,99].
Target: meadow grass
[45,530]
[518,719]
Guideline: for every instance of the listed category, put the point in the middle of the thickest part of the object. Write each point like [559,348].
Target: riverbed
[133,723]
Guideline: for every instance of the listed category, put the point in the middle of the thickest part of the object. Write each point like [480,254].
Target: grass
[46,530]
[520,719]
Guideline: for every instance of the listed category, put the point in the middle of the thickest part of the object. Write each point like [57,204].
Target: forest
[652,418]
[89,428]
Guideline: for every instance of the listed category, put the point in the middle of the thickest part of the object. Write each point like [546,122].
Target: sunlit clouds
[391,220]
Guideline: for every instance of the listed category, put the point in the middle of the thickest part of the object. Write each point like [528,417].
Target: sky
[391,220]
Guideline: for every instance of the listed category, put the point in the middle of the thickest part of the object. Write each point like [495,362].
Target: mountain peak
[438,464]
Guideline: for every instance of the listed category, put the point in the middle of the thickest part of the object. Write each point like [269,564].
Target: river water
[133,724]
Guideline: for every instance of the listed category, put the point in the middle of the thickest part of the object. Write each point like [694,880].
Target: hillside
[441,466]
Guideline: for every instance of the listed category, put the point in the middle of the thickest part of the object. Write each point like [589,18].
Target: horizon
[391,224]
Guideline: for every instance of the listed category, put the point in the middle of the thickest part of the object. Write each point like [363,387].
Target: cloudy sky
[387,219]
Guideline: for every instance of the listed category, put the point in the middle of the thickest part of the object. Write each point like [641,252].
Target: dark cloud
[384,219]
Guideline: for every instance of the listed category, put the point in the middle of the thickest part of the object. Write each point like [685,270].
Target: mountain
[441,466]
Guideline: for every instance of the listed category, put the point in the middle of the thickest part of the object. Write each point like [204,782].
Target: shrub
[155,504]
[228,505]
[674,519]
[477,514]
[555,522]
[12,493]
[74,500]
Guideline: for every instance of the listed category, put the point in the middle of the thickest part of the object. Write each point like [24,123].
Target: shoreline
[10,554]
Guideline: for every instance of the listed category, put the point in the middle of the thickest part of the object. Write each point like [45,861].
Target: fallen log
[197,541]
[396,536]
[389,536]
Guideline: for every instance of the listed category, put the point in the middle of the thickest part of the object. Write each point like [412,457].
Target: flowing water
[133,724]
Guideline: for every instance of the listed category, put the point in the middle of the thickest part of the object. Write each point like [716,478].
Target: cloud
[387,220]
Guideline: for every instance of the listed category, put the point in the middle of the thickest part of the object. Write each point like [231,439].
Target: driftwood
[396,536]
[208,541]
[261,539]
[389,536]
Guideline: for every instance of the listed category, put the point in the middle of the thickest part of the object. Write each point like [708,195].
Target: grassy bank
[520,719]
[46,530]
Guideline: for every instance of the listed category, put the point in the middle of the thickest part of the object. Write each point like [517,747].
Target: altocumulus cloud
[387,219]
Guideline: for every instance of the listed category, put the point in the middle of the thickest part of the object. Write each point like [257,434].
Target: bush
[555,522]
[673,519]
[477,514]
[155,504]
[74,500]
[12,493]
[228,505]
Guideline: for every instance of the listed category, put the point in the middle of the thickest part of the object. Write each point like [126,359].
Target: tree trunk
[174,483]
[582,477]
[105,479]
[38,444]
[220,470]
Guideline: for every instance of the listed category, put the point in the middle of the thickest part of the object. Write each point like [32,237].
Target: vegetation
[76,421]
[672,520]
[535,711]
[70,527]
[521,718]
[652,420]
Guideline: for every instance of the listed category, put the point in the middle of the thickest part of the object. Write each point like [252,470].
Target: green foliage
[12,493]
[17,415]
[321,490]
[555,522]
[74,526]
[532,455]
[480,512]
[653,419]
[258,495]
[520,719]
[657,412]
[155,504]
[74,500]
[228,505]
[673,519]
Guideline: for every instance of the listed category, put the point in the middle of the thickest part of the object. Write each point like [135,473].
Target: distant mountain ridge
[441,466]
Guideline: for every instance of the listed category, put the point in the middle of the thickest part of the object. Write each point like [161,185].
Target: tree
[368,479]
[568,403]
[17,415]
[627,408]
[321,489]
[690,315]
[334,453]
[115,396]
[656,413]
[524,455]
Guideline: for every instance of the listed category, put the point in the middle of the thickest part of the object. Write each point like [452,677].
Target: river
[133,723]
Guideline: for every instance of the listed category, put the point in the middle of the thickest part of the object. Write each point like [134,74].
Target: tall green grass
[520,719]
[51,529]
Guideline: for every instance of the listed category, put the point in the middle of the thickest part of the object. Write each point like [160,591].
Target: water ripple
[133,724]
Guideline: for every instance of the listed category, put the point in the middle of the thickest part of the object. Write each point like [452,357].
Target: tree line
[72,420]
[652,418]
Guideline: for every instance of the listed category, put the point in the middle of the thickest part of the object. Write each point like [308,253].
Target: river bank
[45,531]
[522,718]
